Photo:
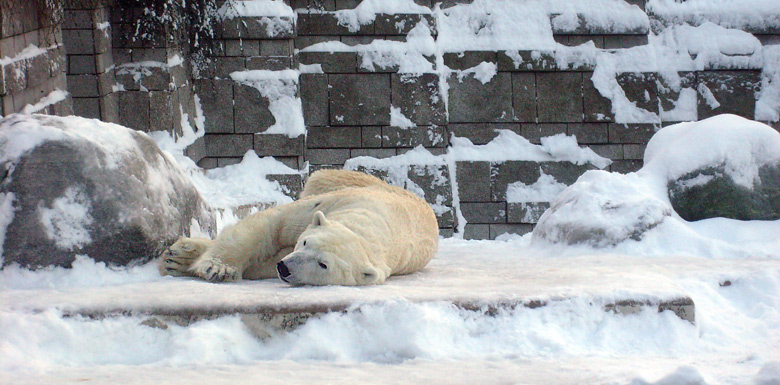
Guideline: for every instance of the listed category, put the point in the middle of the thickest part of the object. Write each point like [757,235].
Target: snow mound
[625,211]
[742,146]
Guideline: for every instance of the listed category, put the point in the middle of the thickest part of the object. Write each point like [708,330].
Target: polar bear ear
[319,219]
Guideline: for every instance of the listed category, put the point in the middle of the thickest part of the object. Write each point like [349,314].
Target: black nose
[282,269]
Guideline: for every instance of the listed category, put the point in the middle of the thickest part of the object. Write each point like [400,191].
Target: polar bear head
[328,253]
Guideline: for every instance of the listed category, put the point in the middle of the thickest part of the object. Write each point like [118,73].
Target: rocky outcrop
[79,186]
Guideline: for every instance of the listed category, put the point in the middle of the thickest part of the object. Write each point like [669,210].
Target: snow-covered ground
[408,330]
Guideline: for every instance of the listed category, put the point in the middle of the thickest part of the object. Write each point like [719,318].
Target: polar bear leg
[178,258]
[215,270]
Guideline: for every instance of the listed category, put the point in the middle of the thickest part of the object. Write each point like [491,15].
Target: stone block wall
[237,113]
[32,70]
[356,107]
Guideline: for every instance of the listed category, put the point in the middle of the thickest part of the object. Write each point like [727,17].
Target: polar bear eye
[304,242]
[322,265]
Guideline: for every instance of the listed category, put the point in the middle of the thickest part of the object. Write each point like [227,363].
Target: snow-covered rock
[72,186]
[602,209]
[724,166]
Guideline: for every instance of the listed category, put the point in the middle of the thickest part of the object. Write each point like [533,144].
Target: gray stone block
[484,212]
[76,19]
[634,151]
[251,113]
[278,145]
[609,151]
[38,70]
[480,133]
[109,108]
[233,48]
[500,229]
[87,107]
[419,98]
[314,5]
[103,62]
[468,59]
[473,181]
[624,41]
[559,96]
[327,156]
[327,24]
[524,96]
[333,137]
[79,41]
[640,88]
[220,145]
[160,111]
[474,231]
[526,212]
[526,61]
[401,24]
[371,136]
[81,64]
[435,181]
[82,86]
[639,133]
[596,107]
[378,153]
[527,172]
[7,104]
[565,172]
[667,96]
[221,67]
[102,40]
[625,166]
[336,62]
[15,75]
[472,101]
[534,132]
[270,63]
[589,133]
[734,90]
[291,184]
[302,42]
[276,47]
[216,100]
[134,110]
[314,99]
[577,40]
[427,136]
[207,163]
[359,99]
[222,162]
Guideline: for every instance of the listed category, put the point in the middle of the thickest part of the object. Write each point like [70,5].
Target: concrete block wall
[86,33]
[346,107]
[237,114]
[31,62]
[149,85]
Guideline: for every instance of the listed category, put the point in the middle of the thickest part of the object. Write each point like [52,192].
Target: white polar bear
[348,228]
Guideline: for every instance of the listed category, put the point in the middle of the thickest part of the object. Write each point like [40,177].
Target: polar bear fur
[348,228]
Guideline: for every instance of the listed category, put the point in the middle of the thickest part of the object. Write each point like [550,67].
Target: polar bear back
[325,181]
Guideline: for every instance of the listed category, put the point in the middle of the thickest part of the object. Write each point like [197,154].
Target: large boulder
[71,186]
[603,209]
[725,166]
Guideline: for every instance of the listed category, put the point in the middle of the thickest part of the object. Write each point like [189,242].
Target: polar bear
[348,228]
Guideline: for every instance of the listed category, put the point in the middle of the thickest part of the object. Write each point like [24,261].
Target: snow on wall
[280,89]
[711,40]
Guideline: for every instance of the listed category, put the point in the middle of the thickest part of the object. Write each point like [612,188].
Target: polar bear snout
[283,271]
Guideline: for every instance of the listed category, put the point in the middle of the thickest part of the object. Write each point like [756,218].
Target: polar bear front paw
[214,270]
[178,258]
